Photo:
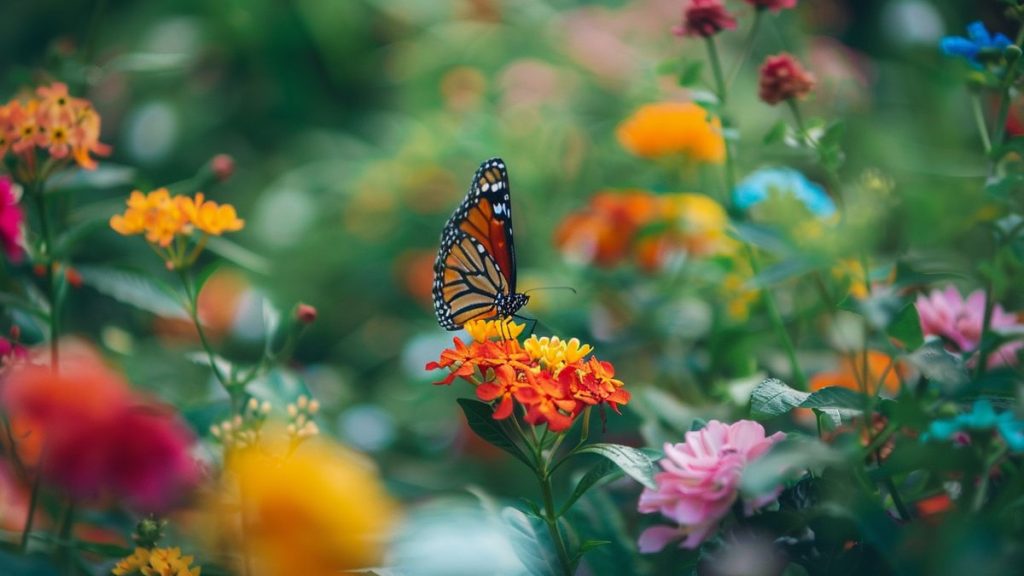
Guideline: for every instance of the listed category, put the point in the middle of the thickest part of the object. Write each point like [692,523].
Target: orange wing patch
[481,224]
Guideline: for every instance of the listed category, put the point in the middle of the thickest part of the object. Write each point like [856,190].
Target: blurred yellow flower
[554,352]
[154,214]
[209,217]
[667,128]
[156,562]
[501,329]
[317,511]
[700,220]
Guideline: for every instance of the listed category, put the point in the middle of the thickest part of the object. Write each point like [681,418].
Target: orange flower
[881,369]
[603,232]
[549,377]
[208,216]
[155,214]
[669,128]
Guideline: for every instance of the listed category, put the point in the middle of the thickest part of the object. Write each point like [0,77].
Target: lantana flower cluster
[54,121]
[553,380]
[168,220]
[156,562]
[651,228]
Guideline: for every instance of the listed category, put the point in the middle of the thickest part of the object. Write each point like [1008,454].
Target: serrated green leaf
[135,289]
[632,461]
[480,417]
[773,397]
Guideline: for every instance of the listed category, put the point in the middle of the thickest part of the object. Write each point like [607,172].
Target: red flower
[547,401]
[783,78]
[705,18]
[86,431]
[504,387]
[773,5]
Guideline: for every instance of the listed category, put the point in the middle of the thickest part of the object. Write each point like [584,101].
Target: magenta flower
[12,220]
[705,18]
[958,321]
[700,482]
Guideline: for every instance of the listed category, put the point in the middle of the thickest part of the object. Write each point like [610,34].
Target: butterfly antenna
[569,288]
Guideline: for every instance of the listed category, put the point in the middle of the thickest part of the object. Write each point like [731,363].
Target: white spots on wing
[499,209]
[486,187]
[480,248]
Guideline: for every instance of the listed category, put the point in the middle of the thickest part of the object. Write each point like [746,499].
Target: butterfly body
[475,270]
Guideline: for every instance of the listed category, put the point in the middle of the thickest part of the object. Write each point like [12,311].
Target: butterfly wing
[477,260]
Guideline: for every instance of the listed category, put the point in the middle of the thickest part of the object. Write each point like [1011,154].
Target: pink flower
[700,482]
[783,78]
[705,18]
[12,220]
[958,321]
[774,5]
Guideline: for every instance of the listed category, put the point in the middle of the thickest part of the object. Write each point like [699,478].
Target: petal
[655,538]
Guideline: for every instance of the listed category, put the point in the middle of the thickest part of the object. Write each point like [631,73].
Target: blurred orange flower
[882,372]
[668,128]
[602,232]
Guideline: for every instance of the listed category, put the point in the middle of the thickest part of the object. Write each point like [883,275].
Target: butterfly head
[510,304]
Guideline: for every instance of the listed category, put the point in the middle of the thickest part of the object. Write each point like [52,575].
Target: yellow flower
[668,128]
[154,214]
[156,562]
[317,511]
[554,352]
[502,329]
[208,216]
[132,564]
[700,221]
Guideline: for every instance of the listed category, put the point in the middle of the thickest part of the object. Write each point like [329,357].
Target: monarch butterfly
[475,270]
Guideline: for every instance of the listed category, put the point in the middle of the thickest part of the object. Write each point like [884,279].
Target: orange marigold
[668,128]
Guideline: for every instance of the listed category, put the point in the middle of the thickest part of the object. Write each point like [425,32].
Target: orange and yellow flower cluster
[673,128]
[64,126]
[652,229]
[156,562]
[167,220]
[552,379]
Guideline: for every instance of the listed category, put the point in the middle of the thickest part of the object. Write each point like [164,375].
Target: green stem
[748,46]
[983,348]
[30,514]
[897,500]
[193,309]
[780,326]
[979,496]
[551,519]
[723,95]
[979,119]
[65,539]
[48,262]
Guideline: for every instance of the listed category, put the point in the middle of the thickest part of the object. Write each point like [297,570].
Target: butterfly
[475,270]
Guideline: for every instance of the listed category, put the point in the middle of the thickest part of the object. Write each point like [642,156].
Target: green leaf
[239,255]
[939,366]
[529,537]
[906,327]
[106,175]
[603,471]
[834,397]
[135,289]
[632,461]
[773,398]
[785,461]
[777,134]
[691,73]
[15,301]
[480,417]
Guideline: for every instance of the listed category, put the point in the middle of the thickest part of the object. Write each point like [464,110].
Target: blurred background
[355,126]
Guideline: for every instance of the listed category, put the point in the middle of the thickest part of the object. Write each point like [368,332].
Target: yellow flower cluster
[554,352]
[156,562]
[669,128]
[502,329]
[166,220]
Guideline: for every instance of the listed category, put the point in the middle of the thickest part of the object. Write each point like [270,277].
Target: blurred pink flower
[12,220]
[958,321]
[85,430]
[783,78]
[705,18]
[700,482]
[775,5]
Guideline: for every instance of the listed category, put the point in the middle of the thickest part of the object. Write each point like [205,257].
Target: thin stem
[723,95]
[979,119]
[30,514]
[551,519]
[748,46]
[193,309]
[64,538]
[983,347]
[48,262]
[897,500]
[780,326]
[979,496]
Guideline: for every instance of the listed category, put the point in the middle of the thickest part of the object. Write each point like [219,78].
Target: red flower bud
[783,78]
[73,277]
[705,18]
[305,313]
[223,166]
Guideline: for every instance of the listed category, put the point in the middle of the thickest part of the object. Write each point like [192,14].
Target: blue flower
[978,41]
[981,417]
[760,185]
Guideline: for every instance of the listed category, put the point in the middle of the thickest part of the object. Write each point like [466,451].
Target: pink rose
[700,482]
[958,321]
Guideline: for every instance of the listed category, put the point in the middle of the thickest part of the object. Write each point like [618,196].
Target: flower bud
[705,18]
[73,278]
[783,78]
[305,313]
[223,166]
[149,531]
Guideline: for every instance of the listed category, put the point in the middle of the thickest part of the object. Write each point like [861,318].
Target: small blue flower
[759,186]
[981,417]
[978,41]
